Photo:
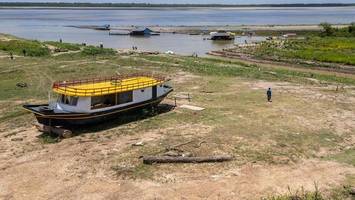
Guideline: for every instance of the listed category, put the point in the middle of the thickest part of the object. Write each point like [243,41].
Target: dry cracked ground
[305,137]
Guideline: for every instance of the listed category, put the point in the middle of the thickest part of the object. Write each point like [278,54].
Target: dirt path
[67,52]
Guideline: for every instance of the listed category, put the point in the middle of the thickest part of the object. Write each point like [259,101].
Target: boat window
[69,100]
[103,101]
[125,97]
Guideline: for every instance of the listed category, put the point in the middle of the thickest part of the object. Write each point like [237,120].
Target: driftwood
[167,159]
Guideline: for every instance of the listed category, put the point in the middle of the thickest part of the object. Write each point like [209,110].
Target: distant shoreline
[58,5]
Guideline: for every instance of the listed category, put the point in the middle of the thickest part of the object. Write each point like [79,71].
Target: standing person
[269,94]
[11,56]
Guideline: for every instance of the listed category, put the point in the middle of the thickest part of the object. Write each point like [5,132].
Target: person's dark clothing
[269,94]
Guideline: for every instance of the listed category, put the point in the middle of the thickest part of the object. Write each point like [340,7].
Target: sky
[193,1]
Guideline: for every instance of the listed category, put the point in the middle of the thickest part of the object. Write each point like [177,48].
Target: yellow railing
[68,87]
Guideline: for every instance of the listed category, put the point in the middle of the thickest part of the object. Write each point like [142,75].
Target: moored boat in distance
[140,31]
[222,35]
[88,101]
[105,27]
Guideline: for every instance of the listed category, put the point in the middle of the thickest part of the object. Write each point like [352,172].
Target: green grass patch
[347,156]
[11,114]
[27,47]
[63,47]
[140,171]
[218,67]
[46,138]
[323,49]
[339,193]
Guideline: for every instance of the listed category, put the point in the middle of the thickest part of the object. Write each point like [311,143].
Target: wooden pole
[167,159]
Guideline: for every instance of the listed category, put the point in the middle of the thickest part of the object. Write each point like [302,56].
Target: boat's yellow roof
[98,88]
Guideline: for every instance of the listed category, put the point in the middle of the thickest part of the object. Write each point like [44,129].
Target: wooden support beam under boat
[61,132]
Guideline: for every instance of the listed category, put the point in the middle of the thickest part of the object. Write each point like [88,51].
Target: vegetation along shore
[330,48]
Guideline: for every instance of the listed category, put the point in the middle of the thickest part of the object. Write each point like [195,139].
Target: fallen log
[167,159]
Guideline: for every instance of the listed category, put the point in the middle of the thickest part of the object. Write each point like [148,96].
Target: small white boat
[170,52]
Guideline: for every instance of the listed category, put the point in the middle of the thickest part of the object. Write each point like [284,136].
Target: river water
[51,24]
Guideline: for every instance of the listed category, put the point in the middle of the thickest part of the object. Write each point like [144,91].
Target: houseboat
[88,101]
[222,35]
[139,31]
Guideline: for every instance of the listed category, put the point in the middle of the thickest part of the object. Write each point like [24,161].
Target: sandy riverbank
[236,28]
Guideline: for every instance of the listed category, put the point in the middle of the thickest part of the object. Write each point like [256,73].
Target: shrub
[351,28]
[328,30]
[93,51]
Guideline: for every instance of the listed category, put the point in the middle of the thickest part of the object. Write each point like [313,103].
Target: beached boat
[90,101]
[222,35]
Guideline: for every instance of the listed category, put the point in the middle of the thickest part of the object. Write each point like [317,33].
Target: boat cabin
[222,35]
[98,95]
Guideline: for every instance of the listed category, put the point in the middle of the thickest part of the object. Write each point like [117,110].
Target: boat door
[154,92]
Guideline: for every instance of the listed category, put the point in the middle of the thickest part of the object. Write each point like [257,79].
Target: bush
[351,28]
[32,48]
[328,30]
[93,51]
